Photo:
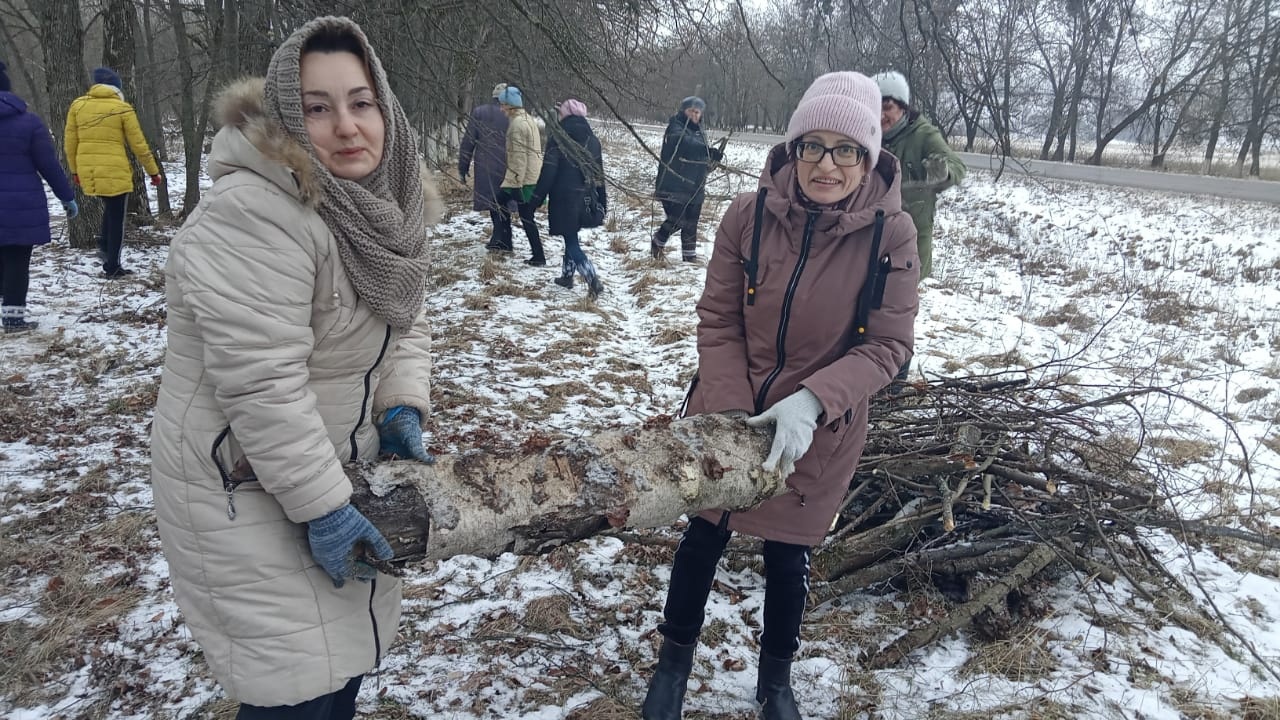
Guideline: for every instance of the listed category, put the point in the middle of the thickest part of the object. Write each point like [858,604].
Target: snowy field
[1131,288]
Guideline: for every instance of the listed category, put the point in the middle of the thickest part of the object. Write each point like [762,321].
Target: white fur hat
[894,85]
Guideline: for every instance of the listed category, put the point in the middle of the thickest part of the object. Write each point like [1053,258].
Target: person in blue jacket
[27,160]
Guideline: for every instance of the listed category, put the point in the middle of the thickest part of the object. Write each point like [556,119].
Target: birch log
[485,503]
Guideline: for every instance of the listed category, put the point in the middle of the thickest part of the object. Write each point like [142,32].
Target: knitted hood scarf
[377,221]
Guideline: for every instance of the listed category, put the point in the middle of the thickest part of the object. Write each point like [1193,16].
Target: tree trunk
[148,107]
[192,144]
[62,39]
[118,53]
[17,59]
[487,504]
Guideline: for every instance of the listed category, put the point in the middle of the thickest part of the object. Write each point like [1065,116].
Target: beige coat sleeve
[249,277]
[407,378]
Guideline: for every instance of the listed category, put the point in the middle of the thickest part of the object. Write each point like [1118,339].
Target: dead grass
[477,301]
[550,614]
[1272,442]
[1180,452]
[489,268]
[1267,708]
[672,335]
[618,244]
[447,274]
[635,381]
[1249,395]
[1022,657]
[643,286]
[1010,359]
[1038,708]
[72,612]
[1069,315]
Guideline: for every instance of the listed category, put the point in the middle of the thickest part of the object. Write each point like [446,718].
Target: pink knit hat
[572,107]
[844,102]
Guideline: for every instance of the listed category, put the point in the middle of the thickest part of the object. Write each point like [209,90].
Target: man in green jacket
[929,165]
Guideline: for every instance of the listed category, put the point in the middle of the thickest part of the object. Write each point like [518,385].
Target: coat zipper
[785,319]
[228,485]
[364,402]
[373,618]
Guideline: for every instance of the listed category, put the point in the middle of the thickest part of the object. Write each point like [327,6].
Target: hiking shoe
[536,262]
[564,281]
[119,272]
[19,327]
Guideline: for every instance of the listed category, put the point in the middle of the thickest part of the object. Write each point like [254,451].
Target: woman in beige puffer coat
[296,332]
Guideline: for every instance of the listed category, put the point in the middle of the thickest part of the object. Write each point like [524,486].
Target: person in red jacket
[808,310]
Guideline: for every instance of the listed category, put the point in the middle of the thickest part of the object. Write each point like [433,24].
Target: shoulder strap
[753,263]
[867,294]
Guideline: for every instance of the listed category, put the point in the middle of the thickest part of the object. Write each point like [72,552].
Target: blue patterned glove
[401,435]
[338,541]
[72,208]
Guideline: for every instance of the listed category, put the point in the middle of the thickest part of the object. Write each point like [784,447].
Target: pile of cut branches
[980,484]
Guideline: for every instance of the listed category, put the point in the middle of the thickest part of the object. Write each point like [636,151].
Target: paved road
[1256,190]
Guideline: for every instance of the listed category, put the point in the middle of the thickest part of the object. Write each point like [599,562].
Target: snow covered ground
[1131,288]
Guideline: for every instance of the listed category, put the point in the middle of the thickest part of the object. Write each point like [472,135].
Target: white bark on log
[479,503]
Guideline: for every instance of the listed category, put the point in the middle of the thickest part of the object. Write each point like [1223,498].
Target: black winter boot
[665,698]
[567,268]
[658,245]
[773,689]
[591,278]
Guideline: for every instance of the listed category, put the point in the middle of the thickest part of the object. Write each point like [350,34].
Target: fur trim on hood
[240,105]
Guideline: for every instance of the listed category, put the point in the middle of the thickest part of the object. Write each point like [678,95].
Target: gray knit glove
[341,539]
[795,417]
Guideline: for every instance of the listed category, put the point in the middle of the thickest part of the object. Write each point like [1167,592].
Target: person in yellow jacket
[99,125]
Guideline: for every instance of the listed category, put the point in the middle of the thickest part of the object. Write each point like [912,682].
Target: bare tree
[1175,63]
[62,39]
[1261,79]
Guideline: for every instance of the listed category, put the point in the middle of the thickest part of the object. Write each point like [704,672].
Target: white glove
[795,417]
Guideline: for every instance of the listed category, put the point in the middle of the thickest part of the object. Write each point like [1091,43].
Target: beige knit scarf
[378,221]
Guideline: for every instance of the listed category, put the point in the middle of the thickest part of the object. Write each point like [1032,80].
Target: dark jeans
[683,217]
[495,216]
[339,705]
[112,237]
[573,249]
[15,277]
[527,220]
[786,588]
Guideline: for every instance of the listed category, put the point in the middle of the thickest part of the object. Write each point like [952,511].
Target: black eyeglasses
[842,155]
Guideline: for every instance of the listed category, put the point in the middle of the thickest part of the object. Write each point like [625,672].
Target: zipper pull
[231,503]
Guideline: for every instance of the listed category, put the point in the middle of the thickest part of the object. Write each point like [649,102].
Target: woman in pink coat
[808,310]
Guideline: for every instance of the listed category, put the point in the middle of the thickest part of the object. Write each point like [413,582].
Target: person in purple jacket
[485,144]
[26,156]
